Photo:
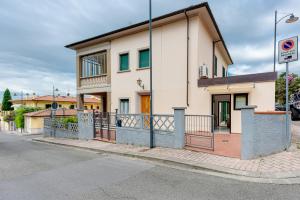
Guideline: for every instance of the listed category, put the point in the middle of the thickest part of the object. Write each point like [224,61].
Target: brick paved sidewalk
[281,165]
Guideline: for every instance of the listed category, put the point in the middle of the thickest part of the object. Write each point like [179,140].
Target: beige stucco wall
[34,124]
[169,71]
[42,104]
[261,94]
[169,67]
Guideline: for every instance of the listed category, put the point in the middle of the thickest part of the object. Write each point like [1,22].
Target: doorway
[145,109]
[221,109]
[145,104]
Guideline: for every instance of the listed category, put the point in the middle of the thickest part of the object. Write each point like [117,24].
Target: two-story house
[190,65]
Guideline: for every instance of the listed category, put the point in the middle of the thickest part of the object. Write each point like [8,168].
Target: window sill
[138,69]
[124,71]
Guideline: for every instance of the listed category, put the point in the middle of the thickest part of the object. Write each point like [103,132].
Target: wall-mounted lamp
[140,83]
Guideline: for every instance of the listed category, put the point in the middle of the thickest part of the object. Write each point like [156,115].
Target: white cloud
[252,52]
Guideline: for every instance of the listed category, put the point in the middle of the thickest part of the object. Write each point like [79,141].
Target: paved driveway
[296,131]
[34,171]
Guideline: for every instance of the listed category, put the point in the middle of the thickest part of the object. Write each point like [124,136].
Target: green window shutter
[144,58]
[223,72]
[216,66]
[124,62]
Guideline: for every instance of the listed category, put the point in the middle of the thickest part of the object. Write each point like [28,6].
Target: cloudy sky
[33,34]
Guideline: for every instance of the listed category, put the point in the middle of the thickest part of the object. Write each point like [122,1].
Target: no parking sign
[288,50]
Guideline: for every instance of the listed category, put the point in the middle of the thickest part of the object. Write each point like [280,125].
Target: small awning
[231,88]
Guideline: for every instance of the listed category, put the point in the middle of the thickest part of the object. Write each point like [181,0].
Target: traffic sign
[54,106]
[288,50]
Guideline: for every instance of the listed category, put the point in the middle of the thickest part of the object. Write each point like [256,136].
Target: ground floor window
[124,106]
[240,100]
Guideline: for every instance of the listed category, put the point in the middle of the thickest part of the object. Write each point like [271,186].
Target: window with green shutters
[124,62]
[144,58]
[216,66]
[223,72]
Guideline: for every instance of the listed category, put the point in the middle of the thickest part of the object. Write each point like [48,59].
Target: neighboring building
[34,121]
[190,67]
[68,102]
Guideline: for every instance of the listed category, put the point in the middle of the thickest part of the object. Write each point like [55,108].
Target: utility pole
[150,65]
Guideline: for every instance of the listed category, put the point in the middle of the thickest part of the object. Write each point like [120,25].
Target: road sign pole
[287,101]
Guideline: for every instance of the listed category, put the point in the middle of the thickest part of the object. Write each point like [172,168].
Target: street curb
[206,168]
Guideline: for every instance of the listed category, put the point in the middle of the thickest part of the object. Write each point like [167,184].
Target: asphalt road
[36,171]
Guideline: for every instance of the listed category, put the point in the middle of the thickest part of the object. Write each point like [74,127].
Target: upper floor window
[124,62]
[144,58]
[215,66]
[223,72]
[93,65]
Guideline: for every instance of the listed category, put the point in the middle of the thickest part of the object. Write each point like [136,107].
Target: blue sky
[33,34]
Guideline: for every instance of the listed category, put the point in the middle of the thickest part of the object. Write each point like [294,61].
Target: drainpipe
[213,58]
[187,56]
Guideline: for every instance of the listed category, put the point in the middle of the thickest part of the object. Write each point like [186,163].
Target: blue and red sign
[288,50]
[288,45]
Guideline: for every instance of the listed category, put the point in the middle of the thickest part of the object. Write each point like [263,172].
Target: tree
[294,86]
[6,104]
[19,115]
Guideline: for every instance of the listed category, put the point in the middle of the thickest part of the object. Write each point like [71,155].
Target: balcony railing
[94,82]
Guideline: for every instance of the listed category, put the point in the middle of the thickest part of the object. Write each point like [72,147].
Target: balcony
[94,74]
[94,84]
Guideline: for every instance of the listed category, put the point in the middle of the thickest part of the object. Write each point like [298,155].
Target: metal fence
[199,131]
[104,125]
[142,121]
[57,124]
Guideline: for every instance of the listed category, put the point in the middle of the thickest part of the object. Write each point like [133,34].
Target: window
[124,62]
[144,58]
[124,106]
[59,105]
[92,107]
[93,65]
[48,106]
[216,66]
[223,72]
[240,100]
[72,106]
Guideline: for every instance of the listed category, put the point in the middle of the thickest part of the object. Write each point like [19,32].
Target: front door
[145,104]
[221,112]
[145,109]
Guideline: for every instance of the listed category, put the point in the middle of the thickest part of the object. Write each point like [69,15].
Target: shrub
[19,115]
[67,120]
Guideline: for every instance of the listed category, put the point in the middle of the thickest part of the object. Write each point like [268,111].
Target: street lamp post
[150,65]
[53,109]
[291,19]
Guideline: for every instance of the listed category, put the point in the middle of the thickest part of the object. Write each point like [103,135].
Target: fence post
[179,123]
[248,132]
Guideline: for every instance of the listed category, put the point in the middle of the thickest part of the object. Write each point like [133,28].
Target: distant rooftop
[57,99]
[47,113]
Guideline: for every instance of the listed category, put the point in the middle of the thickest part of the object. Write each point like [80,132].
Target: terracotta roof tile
[47,113]
[60,99]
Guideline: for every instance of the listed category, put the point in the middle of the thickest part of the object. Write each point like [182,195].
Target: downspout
[187,56]
[213,57]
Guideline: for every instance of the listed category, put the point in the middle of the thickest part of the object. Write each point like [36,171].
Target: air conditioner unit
[203,72]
